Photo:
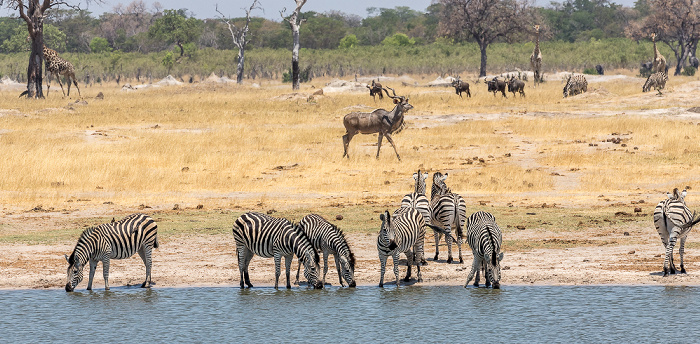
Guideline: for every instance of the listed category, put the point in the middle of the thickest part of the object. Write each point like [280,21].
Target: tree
[238,35]
[485,21]
[99,45]
[33,13]
[676,23]
[295,22]
[53,37]
[174,27]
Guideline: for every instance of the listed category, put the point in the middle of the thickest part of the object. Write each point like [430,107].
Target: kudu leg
[346,142]
[388,137]
[379,143]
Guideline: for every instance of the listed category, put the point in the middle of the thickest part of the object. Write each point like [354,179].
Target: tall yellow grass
[240,145]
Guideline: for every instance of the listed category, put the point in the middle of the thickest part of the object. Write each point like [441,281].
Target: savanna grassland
[572,182]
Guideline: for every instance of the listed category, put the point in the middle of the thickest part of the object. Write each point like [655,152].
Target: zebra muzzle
[392,245]
[69,288]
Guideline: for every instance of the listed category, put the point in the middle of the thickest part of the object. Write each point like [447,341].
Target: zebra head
[311,268]
[387,232]
[439,186]
[493,268]
[74,272]
[567,86]
[420,182]
[679,196]
[347,265]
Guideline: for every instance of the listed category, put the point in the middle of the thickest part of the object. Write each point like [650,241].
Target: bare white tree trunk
[295,23]
[239,37]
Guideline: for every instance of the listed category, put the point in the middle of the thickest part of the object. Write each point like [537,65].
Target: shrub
[688,71]
[590,71]
[99,45]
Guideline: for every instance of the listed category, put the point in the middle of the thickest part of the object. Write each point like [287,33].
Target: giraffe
[659,60]
[536,58]
[55,65]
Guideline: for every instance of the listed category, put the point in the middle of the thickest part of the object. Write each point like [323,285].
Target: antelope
[378,121]
[461,86]
[375,89]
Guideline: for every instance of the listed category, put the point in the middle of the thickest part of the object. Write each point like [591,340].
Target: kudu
[378,121]
[375,89]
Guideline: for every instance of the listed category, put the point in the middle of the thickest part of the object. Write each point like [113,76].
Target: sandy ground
[208,260]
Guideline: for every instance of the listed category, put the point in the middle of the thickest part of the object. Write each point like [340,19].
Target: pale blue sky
[205,8]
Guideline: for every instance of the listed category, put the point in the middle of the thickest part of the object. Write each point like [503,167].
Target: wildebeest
[516,85]
[461,86]
[496,85]
[375,89]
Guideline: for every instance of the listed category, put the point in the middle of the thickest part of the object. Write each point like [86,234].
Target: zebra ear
[444,176]
[381,217]
[415,176]
[500,256]
[668,195]
[684,193]
[425,175]
[65,255]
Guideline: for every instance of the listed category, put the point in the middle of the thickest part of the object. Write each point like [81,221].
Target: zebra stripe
[673,220]
[417,199]
[403,232]
[484,237]
[575,84]
[115,240]
[656,80]
[327,238]
[448,211]
[271,237]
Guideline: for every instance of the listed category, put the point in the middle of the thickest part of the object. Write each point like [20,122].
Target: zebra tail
[691,223]
[441,231]
[155,243]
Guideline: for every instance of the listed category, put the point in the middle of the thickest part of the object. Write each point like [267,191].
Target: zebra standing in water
[673,220]
[267,236]
[485,239]
[115,240]
[448,211]
[327,238]
[404,232]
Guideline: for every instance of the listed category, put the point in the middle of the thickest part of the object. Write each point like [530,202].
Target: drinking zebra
[484,238]
[404,232]
[268,237]
[114,240]
[673,220]
[327,238]
[448,211]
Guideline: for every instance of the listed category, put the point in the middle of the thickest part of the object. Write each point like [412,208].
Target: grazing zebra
[448,211]
[327,238]
[657,81]
[267,236]
[484,238]
[575,84]
[673,220]
[404,232]
[115,240]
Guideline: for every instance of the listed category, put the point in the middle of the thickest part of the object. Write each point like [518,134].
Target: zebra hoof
[683,270]
[476,285]
[461,261]
[436,258]
[381,285]
[406,279]
[106,288]
[423,262]
[449,260]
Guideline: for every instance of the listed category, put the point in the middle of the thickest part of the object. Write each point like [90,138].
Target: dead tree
[378,121]
[295,22]
[239,36]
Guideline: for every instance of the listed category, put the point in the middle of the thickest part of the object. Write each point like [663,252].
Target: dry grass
[232,145]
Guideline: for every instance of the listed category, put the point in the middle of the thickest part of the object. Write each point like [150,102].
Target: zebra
[114,240]
[404,232]
[657,81]
[267,236]
[417,199]
[327,238]
[575,84]
[448,211]
[484,237]
[673,220]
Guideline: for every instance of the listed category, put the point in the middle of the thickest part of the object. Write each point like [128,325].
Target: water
[627,314]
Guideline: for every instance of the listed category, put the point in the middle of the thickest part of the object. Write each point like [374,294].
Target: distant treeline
[436,58]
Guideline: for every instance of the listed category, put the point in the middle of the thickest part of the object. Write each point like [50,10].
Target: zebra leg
[298,269]
[668,260]
[287,266]
[278,261]
[396,267]
[475,266]
[325,266]
[477,278]
[105,272]
[93,266]
[681,251]
[244,257]
[487,274]
[409,261]
[417,256]
[448,240]
[145,254]
[340,272]
[438,236]
[382,263]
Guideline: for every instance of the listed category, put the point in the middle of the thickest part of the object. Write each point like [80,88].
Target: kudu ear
[396,101]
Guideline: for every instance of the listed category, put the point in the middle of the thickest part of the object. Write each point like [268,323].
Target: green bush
[590,71]
[688,71]
[99,45]
[347,42]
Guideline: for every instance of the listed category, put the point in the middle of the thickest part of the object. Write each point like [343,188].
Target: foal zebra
[575,84]
[673,220]
[404,232]
[114,240]
[657,81]
[267,236]
[448,211]
[327,238]
[485,239]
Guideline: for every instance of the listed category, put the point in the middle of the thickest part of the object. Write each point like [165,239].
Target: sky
[206,8]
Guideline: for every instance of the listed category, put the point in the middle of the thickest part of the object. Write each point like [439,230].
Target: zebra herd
[400,232]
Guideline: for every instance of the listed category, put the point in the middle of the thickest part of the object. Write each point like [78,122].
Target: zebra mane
[83,238]
[676,194]
[493,248]
[301,232]
[345,242]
